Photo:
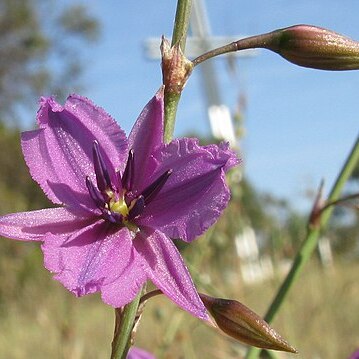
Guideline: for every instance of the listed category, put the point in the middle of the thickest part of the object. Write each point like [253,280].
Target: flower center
[119,206]
[118,202]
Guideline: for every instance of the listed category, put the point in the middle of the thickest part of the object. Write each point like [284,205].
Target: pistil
[119,206]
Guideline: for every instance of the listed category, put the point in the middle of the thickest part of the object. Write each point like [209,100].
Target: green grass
[40,319]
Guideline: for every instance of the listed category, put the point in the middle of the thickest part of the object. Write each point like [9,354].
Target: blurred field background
[40,319]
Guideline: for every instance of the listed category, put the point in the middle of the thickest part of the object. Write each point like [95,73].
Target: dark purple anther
[102,175]
[137,208]
[95,194]
[129,172]
[112,217]
[151,191]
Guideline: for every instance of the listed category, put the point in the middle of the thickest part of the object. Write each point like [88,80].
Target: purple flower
[124,200]
[137,353]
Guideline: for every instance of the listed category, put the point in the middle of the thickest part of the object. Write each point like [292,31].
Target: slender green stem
[310,242]
[341,201]
[126,317]
[179,34]
[171,102]
[124,323]
[180,29]
[253,42]
[151,294]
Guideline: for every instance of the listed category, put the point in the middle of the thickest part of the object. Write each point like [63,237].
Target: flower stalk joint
[176,68]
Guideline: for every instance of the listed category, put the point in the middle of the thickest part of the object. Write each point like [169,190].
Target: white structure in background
[200,42]
[221,123]
[254,269]
[325,252]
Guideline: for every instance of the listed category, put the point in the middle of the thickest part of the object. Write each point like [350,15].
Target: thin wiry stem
[151,294]
[341,201]
[252,42]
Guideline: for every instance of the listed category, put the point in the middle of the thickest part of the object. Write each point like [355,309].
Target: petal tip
[47,104]
[160,93]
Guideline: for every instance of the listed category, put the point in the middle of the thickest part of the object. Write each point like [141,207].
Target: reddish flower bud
[241,323]
[314,47]
[176,68]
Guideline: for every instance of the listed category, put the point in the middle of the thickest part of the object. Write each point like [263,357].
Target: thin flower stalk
[343,201]
[124,322]
[179,37]
[171,100]
[303,45]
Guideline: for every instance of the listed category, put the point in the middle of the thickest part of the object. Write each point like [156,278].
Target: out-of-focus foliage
[38,55]
[38,51]
[345,224]
[355,174]
[18,191]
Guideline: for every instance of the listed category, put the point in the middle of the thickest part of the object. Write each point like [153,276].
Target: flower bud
[314,47]
[176,68]
[241,323]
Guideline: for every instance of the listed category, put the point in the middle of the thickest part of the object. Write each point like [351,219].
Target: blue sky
[300,123]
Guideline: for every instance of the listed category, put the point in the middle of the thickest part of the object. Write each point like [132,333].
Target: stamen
[112,217]
[95,194]
[137,208]
[152,190]
[102,175]
[128,173]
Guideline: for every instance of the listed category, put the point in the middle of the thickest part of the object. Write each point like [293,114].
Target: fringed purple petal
[36,225]
[91,259]
[196,192]
[129,282]
[101,127]
[165,267]
[145,137]
[60,152]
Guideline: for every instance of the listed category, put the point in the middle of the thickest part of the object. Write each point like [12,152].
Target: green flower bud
[241,323]
[314,47]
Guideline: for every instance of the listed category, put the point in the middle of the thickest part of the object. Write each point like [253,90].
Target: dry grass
[40,319]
